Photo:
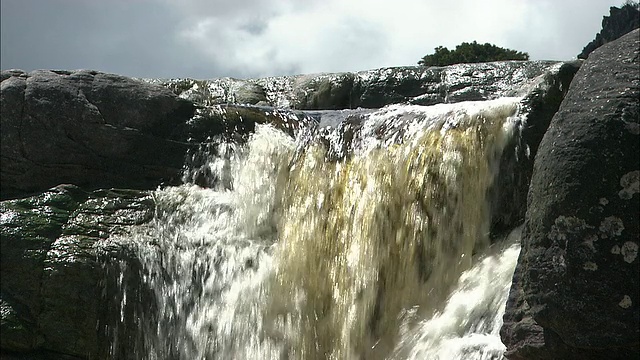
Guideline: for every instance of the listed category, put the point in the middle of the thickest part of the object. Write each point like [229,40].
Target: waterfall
[364,238]
[468,327]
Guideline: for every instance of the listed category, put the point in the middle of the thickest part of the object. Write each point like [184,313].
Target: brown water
[305,255]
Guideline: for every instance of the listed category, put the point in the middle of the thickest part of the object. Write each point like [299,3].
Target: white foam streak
[211,257]
[402,122]
[468,327]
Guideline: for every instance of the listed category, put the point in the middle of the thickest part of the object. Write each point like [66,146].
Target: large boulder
[90,129]
[575,291]
[97,130]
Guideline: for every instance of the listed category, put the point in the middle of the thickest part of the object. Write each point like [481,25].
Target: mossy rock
[55,247]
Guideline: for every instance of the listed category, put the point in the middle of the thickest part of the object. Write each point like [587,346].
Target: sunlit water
[370,246]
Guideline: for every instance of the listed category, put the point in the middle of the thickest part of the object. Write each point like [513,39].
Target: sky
[206,39]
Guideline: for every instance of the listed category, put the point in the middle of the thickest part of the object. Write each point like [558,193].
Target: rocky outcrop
[53,261]
[576,288]
[88,128]
[619,22]
[368,89]
[99,130]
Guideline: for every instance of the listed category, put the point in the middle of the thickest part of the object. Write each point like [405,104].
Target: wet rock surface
[368,89]
[576,286]
[54,260]
[88,128]
[99,130]
[509,192]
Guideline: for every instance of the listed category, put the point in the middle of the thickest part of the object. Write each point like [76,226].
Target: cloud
[558,30]
[249,38]
[313,40]
[130,38]
[336,35]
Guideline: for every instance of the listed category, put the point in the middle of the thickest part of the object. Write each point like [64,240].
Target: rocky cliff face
[619,22]
[575,292]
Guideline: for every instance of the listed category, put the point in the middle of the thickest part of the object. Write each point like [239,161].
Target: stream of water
[372,244]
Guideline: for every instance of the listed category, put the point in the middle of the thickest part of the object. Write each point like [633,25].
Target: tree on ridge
[471,53]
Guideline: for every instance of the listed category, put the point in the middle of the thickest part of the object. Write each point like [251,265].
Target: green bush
[471,53]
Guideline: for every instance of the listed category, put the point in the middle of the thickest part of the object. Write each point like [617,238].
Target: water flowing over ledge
[326,247]
[94,272]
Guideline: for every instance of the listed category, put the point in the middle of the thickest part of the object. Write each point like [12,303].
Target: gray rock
[576,286]
[100,130]
[369,89]
[330,92]
[252,94]
[90,129]
[221,91]
[55,267]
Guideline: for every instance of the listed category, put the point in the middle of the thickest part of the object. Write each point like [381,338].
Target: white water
[469,325]
[370,256]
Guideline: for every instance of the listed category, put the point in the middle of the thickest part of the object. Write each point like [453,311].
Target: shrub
[471,53]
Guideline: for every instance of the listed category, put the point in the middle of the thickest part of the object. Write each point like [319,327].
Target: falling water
[345,244]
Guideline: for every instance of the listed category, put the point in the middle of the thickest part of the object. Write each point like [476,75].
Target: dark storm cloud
[135,38]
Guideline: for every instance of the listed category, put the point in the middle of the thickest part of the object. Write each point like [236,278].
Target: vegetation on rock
[471,53]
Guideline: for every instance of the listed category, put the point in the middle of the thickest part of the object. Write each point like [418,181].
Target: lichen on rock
[626,302]
[584,185]
[629,251]
[630,183]
[610,227]
[566,225]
